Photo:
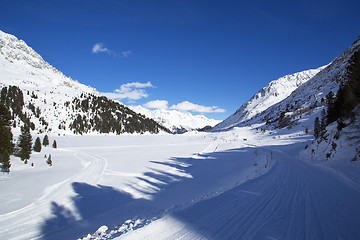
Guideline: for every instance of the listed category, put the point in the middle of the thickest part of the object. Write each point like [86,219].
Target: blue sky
[200,56]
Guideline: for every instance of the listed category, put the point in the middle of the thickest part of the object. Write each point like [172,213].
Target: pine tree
[323,123]
[317,128]
[54,145]
[6,145]
[25,143]
[49,161]
[45,140]
[37,145]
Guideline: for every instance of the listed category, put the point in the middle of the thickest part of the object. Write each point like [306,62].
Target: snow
[195,185]
[94,178]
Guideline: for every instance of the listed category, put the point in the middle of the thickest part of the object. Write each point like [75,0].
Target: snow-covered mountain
[312,94]
[269,95]
[49,101]
[309,101]
[176,121]
[292,95]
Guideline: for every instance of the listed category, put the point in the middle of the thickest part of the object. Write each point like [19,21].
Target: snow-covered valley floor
[191,186]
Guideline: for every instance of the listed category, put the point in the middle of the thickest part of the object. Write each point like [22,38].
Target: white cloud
[184,106]
[99,48]
[131,91]
[126,53]
[157,104]
[188,106]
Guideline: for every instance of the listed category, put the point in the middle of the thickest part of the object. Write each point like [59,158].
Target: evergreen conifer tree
[6,145]
[54,145]
[49,161]
[37,145]
[25,143]
[323,123]
[317,128]
[45,140]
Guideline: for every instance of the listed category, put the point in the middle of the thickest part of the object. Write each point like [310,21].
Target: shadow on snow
[103,205]
[285,203]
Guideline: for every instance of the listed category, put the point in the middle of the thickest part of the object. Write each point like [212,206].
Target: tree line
[341,105]
[24,146]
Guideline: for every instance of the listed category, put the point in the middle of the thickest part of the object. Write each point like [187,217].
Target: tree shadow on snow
[103,205]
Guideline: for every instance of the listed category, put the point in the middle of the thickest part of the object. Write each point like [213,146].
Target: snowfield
[239,184]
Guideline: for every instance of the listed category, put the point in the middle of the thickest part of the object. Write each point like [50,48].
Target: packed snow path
[294,200]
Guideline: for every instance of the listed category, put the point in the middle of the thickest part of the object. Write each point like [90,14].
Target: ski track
[294,200]
[92,171]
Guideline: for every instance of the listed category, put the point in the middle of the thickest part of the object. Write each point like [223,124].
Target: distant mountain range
[177,121]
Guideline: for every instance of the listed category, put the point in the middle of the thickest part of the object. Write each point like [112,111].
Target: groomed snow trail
[294,200]
[14,223]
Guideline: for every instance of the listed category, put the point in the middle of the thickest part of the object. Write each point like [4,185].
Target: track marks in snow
[61,192]
[294,200]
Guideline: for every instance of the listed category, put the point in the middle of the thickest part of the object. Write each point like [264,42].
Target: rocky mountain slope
[274,92]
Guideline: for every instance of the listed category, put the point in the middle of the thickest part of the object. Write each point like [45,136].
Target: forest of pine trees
[94,113]
[12,97]
[110,117]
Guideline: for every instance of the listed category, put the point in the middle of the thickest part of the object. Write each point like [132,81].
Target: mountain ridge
[274,92]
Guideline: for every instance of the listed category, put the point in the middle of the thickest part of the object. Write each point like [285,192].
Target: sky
[205,57]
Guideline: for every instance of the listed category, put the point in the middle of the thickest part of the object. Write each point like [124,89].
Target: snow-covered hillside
[269,95]
[54,103]
[310,97]
[294,104]
[176,121]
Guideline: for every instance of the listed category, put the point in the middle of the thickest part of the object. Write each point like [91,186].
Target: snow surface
[191,186]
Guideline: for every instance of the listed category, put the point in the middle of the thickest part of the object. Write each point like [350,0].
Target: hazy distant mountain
[176,121]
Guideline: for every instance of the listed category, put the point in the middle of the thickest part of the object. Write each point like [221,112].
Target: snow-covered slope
[55,103]
[269,95]
[311,96]
[176,121]
[294,104]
